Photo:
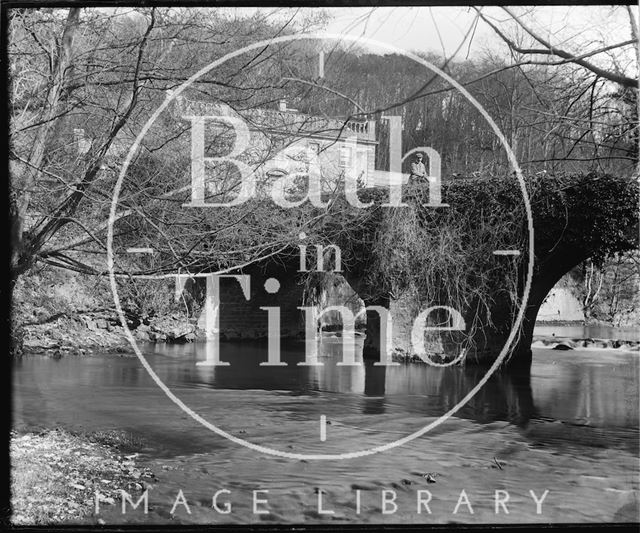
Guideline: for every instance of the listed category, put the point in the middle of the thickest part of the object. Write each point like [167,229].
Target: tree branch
[549,49]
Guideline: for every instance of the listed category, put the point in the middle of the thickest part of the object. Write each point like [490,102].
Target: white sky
[442,29]
[577,28]
[410,28]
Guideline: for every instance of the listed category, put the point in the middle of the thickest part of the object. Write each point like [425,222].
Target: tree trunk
[21,255]
[16,329]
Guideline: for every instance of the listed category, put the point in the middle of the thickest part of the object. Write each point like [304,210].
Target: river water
[570,427]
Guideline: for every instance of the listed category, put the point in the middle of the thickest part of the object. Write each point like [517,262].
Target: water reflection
[595,388]
[601,391]
[423,389]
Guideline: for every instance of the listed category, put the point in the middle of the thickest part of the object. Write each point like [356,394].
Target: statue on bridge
[418,170]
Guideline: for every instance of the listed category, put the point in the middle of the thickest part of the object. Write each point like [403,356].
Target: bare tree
[99,74]
[542,46]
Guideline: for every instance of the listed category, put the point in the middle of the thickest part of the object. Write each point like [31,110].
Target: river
[570,427]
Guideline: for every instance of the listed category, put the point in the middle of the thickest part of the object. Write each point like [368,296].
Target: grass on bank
[55,474]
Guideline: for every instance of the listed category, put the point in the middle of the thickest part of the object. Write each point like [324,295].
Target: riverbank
[61,313]
[102,332]
[56,474]
[430,481]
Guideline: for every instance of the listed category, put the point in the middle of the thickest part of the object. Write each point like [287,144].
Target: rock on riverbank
[102,332]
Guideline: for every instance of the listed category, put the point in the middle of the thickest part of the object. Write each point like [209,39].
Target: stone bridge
[575,218]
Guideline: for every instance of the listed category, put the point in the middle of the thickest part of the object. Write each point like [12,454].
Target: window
[346,156]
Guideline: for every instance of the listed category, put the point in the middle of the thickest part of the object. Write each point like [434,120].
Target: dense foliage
[445,256]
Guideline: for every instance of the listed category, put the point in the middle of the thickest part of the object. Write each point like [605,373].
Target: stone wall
[242,319]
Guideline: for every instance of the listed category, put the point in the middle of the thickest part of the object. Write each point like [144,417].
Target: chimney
[282,104]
